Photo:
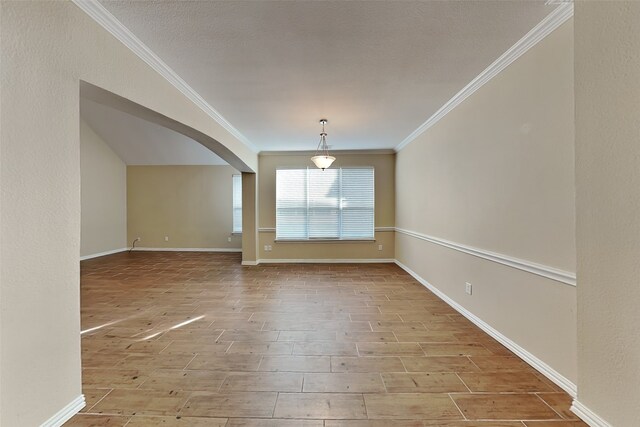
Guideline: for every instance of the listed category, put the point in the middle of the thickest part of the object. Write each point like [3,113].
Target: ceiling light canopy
[322,159]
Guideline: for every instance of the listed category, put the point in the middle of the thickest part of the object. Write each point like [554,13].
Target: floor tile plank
[343,383]
[320,406]
[430,406]
[504,407]
[141,402]
[149,421]
[230,404]
[263,381]
[433,382]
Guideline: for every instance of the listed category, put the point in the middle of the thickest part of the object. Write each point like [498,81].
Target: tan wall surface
[497,174]
[249,218]
[103,184]
[384,165]
[192,205]
[47,48]
[607,63]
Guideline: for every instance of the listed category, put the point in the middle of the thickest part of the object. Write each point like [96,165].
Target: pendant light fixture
[322,159]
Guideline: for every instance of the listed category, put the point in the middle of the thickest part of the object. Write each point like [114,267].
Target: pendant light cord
[322,145]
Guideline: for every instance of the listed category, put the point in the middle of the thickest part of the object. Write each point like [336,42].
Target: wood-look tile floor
[195,339]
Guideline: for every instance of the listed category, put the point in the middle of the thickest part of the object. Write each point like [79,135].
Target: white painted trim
[531,267]
[102,16]
[273,230]
[64,414]
[99,254]
[187,249]
[323,241]
[532,360]
[381,151]
[560,14]
[250,262]
[327,261]
[587,415]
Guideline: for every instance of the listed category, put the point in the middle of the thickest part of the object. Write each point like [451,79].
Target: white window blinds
[330,204]
[237,204]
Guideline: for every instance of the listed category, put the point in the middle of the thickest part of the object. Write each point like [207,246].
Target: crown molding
[557,17]
[110,23]
[381,151]
[105,19]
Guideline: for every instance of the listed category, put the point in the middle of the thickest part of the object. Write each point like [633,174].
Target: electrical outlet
[266,248]
[139,239]
[468,288]
[166,238]
[228,239]
[269,248]
[379,247]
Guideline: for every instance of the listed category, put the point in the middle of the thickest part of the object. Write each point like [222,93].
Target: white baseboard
[99,254]
[321,261]
[587,415]
[64,414]
[532,360]
[188,249]
[327,261]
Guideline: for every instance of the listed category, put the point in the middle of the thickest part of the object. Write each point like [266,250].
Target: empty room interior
[320,213]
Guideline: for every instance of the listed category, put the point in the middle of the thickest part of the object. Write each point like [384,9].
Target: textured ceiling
[375,69]
[138,142]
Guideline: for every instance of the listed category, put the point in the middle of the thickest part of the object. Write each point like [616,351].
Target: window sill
[323,240]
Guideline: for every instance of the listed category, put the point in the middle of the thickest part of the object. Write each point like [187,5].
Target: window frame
[234,231]
[327,239]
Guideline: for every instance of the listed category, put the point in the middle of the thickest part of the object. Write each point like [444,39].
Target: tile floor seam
[99,400]
[552,408]
[465,384]
[457,407]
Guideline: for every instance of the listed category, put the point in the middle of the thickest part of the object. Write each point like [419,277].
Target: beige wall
[384,165]
[607,62]
[191,205]
[103,197]
[249,218]
[497,174]
[47,48]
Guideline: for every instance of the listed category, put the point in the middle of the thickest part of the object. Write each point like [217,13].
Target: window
[330,204]
[237,203]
